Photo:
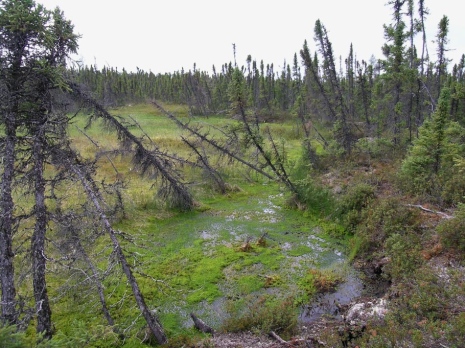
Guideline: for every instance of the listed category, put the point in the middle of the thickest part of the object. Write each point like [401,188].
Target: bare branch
[147,161]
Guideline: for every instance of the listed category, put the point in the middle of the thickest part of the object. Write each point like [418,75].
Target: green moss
[249,283]
[318,281]
[300,250]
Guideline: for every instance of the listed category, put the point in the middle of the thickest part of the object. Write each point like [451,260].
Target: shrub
[315,198]
[383,218]
[10,338]
[429,169]
[456,330]
[404,252]
[352,204]
[319,281]
[375,147]
[452,231]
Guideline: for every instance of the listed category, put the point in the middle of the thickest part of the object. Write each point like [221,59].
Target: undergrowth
[262,314]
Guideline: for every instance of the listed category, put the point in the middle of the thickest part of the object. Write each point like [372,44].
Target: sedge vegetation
[131,199]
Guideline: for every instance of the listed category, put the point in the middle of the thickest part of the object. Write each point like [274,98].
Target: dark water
[329,304]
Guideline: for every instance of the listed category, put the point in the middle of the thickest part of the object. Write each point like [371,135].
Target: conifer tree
[429,167]
[442,41]
[35,43]
[394,66]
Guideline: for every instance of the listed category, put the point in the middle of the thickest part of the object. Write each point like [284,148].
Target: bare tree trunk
[152,321]
[95,273]
[9,314]
[281,175]
[44,313]
[212,173]
[306,125]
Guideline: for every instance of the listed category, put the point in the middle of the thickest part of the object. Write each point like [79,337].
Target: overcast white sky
[167,35]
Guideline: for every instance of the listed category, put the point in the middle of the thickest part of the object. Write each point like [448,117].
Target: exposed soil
[310,335]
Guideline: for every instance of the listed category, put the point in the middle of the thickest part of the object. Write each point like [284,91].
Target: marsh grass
[262,314]
[187,261]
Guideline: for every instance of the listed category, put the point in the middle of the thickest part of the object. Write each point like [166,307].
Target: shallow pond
[294,244]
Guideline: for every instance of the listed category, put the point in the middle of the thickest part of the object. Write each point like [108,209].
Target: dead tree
[201,326]
[209,170]
[148,162]
[215,144]
[70,227]
[77,168]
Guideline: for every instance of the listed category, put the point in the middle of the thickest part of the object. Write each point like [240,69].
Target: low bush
[317,281]
[381,219]
[404,253]
[452,231]
[352,204]
[313,197]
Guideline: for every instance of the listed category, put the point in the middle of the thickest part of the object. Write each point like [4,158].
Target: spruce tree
[429,168]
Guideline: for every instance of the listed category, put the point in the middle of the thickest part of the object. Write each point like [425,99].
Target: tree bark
[201,326]
[43,311]
[95,274]
[9,314]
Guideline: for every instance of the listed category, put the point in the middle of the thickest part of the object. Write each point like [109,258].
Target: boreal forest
[321,205]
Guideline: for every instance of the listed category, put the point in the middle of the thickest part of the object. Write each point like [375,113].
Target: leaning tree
[38,161]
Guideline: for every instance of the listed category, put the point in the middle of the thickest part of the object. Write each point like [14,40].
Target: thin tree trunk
[281,176]
[207,167]
[212,142]
[43,311]
[152,321]
[144,158]
[98,283]
[9,314]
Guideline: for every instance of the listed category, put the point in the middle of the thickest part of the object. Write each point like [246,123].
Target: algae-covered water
[204,259]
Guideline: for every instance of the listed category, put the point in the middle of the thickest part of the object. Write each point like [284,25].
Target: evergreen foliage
[429,168]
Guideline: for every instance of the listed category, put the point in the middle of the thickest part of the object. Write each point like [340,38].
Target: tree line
[389,97]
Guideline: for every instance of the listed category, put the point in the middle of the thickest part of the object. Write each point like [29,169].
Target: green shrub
[375,147]
[429,169]
[352,204]
[11,338]
[452,231]
[456,331]
[404,252]
[383,218]
[318,281]
[315,198]
[83,336]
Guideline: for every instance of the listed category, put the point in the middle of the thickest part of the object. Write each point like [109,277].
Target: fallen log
[446,216]
[200,325]
[295,341]
[278,338]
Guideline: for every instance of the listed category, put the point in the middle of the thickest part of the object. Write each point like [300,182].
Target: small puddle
[329,304]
